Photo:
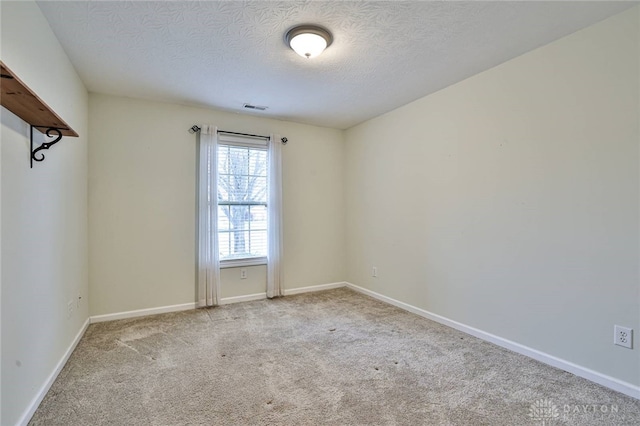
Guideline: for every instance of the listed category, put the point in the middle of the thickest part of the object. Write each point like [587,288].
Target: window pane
[259,242]
[224,246]
[242,182]
[239,217]
[257,189]
[257,163]
[223,218]
[223,187]
[223,159]
[258,218]
[238,161]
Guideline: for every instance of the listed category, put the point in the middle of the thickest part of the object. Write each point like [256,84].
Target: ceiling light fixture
[308,41]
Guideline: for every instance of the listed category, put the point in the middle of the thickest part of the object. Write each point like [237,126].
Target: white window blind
[242,198]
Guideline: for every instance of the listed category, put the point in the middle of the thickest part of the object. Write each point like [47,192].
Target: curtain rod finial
[284,141]
[194,129]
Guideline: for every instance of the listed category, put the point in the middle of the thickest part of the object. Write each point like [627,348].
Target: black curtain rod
[195,128]
[243,134]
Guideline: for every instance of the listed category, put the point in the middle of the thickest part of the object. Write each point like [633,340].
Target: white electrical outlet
[374,272]
[69,308]
[243,274]
[623,336]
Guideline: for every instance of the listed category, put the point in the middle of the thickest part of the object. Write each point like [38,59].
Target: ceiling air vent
[255,107]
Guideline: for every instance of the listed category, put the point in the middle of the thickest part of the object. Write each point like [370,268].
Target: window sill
[237,263]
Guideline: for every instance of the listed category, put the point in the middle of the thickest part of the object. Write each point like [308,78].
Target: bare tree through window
[242,201]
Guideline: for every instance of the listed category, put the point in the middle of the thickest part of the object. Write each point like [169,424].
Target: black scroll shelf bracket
[16,96]
[51,132]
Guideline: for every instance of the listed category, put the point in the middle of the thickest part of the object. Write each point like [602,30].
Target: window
[242,201]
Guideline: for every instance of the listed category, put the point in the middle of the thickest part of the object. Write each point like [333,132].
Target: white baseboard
[594,376]
[223,301]
[35,402]
[287,292]
[309,289]
[244,298]
[142,312]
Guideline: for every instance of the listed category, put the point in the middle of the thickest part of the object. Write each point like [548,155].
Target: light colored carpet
[334,357]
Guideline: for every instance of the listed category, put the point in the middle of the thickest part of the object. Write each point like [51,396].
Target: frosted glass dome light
[308,45]
[308,41]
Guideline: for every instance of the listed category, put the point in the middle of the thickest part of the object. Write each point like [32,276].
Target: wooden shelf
[20,100]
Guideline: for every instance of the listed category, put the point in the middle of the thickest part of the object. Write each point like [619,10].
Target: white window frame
[247,142]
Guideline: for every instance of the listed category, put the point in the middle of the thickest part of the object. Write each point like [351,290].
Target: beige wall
[142,204]
[44,216]
[509,201]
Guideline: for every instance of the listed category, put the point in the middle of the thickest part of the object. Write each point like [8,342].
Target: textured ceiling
[223,54]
